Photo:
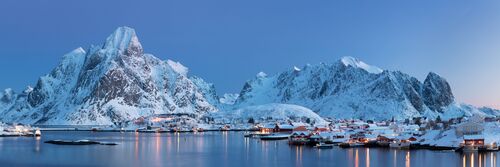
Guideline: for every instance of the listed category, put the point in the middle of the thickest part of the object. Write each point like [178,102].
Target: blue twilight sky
[228,41]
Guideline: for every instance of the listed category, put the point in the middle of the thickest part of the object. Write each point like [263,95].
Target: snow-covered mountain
[108,84]
[350,88]
[117,82]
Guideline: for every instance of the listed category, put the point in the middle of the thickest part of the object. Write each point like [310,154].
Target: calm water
[213,149]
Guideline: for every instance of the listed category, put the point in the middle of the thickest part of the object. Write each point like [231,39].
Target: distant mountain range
[350,88]
[117,81]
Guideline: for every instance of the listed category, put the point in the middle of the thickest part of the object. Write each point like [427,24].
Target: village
[467,134]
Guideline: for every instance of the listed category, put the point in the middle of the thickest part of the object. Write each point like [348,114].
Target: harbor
[222,148]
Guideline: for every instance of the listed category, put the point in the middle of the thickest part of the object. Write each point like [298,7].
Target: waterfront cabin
[472,143]
[359,137]
[299,138]
[473,140]
[384,141]
[286,128]
[267,129]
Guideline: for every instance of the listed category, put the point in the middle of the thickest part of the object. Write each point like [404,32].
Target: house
[299,138]
[268,128]
[284,128]
[300,128]
[322,129]
[473,140]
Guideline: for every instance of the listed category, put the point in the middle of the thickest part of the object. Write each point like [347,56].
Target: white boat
[275,137]
[38,133]
[400,144]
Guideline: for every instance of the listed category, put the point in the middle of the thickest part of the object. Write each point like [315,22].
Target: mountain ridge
[117,82]
[350,88]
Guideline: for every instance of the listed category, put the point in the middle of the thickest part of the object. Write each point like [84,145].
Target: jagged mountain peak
[122,38]
[434,76]
[111,84]
[437,92]
[354,62]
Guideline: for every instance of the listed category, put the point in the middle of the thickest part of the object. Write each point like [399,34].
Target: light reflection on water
[479,159]
[214,149]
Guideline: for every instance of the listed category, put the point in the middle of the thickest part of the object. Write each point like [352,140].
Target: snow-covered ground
[15,130]
[274,111]
[449,138]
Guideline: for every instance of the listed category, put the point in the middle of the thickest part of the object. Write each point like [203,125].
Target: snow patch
[354,62]
[295,68]
[178,67]
[261,75]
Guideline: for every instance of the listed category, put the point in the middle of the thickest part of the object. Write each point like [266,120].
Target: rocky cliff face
[437,92]
[350,88]
[109,84]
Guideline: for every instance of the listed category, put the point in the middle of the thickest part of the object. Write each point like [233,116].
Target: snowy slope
[229,98]
[273,110]
[350,88]
[109,84]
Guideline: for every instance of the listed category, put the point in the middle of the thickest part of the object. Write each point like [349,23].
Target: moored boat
[37,133]
[324,146]
[351,143]
[400,144]
[256,134]
[275,137]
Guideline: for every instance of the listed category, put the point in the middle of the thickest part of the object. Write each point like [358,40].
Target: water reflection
[218,149]
[395,158]
[368,157]
[37,144]
[298,155]
[479,159]
[356,159]
[408,159]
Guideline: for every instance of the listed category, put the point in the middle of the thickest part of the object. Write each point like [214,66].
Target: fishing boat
[256,134]
[275,137]
[324,146]
[78,142]
[149,130]
[400,144]
[351,143]
[225,128]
